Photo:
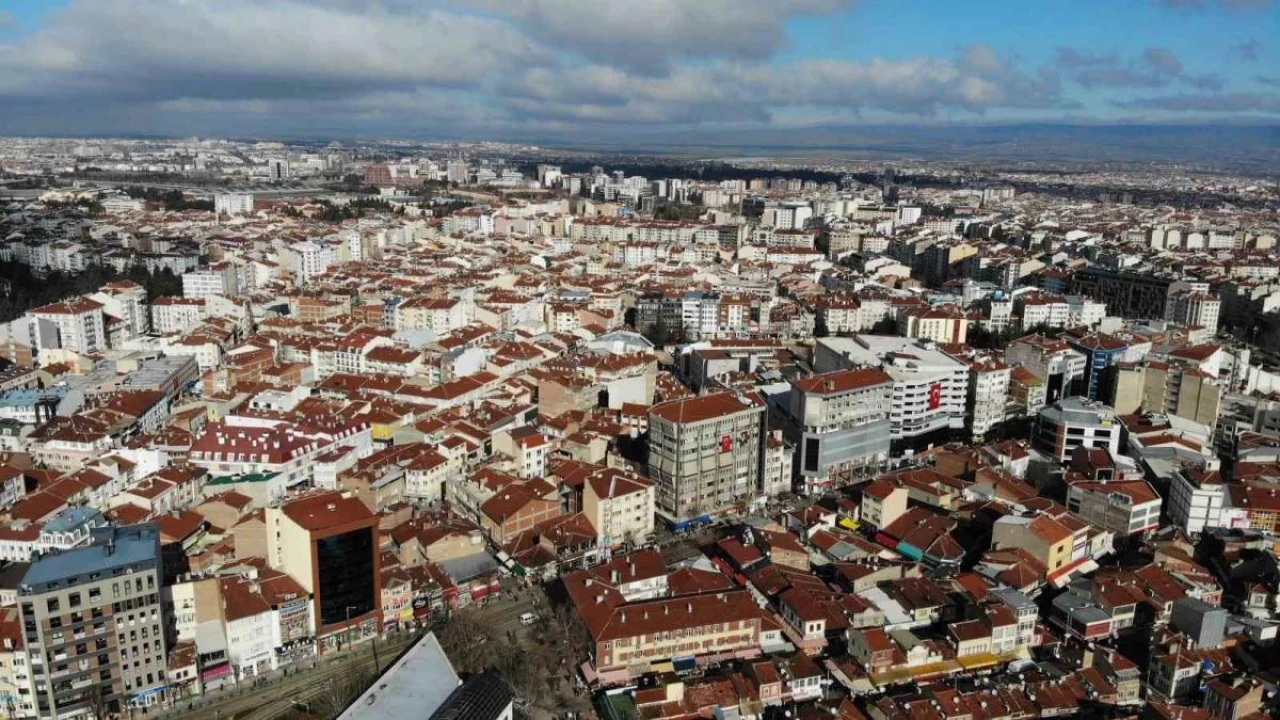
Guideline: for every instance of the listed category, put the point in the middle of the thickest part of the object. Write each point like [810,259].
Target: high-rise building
[1057,364]
[1193,305]
[93,625]
[328,542]
[929,387]
[705,453]
[278,169]
[233,204]
[76,325]
[841,423]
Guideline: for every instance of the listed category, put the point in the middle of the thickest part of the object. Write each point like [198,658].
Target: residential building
[77,326]
[93,626]
[619,505]
[706,453]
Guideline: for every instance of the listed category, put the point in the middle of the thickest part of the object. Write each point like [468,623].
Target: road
[278,697]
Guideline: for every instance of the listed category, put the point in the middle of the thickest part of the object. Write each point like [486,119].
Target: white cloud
[307,65]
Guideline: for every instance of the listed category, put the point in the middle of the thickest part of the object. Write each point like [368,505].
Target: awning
[661,667]
[684,664]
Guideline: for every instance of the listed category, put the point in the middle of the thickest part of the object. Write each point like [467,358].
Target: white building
[930,388]
[233,204]
[1193,306]
[220,279]
[176,315]
[1076,422]
[76,325]
[841,422]
[1199,499]
[310,259]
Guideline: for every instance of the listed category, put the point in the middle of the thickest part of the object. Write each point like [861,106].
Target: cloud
[1209,103]
[975,81]
[648,35]
[1156,67]
[1268,81]
[1248,51]
[466,66]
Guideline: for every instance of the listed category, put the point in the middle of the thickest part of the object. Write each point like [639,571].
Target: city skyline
[605,71]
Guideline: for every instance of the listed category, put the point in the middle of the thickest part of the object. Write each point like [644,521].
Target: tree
[467,643]
[886,326]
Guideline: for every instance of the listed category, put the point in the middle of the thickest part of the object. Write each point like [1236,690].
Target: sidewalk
[266,680]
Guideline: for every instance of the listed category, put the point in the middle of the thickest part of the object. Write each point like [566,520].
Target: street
[280,694]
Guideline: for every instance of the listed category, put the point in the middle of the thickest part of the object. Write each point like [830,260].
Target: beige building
[883,502]
[705,453]
[1169,389]
[945,324]
[619,505]
[1048,540]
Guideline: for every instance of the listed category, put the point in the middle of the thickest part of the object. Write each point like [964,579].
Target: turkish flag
[935,396]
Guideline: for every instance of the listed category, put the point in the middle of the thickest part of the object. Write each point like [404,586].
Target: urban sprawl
[802,439]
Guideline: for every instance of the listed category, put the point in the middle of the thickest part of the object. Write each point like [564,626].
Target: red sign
[935,396]
[726,443]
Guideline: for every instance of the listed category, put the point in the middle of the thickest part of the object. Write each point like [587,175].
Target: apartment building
[841,422]
[233,203]
[705,453]
[77,326]
[1044,537]
[93,627]
[619,505]
[1127,507]
[220,279]
[1168,389]
[943,324]
[176,315]
[1192,304]
[128,301]
[439,315]
[1198,499]
[1059,366]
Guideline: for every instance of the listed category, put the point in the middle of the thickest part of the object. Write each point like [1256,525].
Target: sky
[612,68]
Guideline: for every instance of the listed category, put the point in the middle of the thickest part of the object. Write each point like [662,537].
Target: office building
[92,625]
[842,423]
[1126,293]
[1076,422]
[930,388]
[278,169]
[328,542]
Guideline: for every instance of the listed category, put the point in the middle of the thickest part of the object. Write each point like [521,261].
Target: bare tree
[467,643]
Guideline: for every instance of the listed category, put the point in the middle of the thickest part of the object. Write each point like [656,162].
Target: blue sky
[611,67]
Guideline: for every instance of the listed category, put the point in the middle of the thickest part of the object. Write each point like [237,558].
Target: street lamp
[349,609]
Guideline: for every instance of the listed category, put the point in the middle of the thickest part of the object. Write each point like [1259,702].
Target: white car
[528,619]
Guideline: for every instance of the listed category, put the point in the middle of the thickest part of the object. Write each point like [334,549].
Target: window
[53,605]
